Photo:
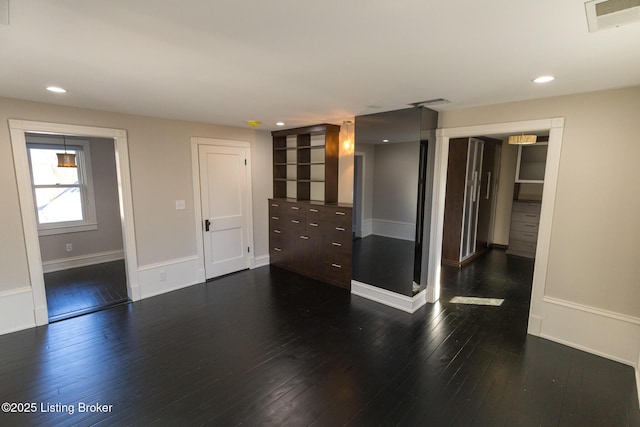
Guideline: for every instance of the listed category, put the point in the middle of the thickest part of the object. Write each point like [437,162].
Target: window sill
[67,229]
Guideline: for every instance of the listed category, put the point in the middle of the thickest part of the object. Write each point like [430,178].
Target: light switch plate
[180,204]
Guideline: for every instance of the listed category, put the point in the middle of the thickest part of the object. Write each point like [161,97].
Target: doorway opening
[54,211]
[78,220]
[551,127]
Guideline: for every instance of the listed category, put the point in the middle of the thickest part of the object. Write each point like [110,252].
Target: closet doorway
[551,127]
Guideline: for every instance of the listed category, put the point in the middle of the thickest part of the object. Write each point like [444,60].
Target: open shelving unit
[305,163]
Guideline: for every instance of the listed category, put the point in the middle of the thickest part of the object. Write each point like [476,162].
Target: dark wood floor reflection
[385,263]
[85,289]
[268,347]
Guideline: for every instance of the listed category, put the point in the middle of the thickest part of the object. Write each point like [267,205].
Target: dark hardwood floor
[268,347]
[384,262]
[83,290]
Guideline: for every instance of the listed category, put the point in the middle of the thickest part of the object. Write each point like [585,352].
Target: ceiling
[302,61]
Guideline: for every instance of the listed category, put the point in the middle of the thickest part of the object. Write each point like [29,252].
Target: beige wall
[506,180]
[160,157]
[108,236]
[369,152]
[395,181]
[594,251]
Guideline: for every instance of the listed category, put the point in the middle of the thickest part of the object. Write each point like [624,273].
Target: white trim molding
[167,276]
[17,129]
[81,261]
[394,229]
[367,227]
[260,261]
[16,310]
[605,333]
[392,299]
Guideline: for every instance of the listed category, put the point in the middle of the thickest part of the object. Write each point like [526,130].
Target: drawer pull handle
[336,265]
[275,217]
[340,213]
[313,224]
[339,228]
[336,244]
[277,231]
[295,208]
[277,249]
[313,210]
[295,221]
[304,237]
[274,205]
[532,216]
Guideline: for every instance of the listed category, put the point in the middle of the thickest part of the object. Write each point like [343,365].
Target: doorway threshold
[88,310]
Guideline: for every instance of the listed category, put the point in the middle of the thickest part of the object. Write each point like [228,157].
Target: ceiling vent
[432,101]
[603,14]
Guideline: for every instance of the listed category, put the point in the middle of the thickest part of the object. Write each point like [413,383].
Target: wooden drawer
[531,207]
[525,217]
[337,270]
[518,247]
[524,236]
[337,214]
[531,227]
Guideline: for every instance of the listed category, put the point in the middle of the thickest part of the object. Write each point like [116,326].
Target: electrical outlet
[163,276]
[69,247]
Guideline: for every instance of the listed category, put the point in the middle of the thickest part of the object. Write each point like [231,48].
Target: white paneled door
[225,209]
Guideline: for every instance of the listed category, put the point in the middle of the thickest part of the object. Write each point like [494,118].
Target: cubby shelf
[303,156]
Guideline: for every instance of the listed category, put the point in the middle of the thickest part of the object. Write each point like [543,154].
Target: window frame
[85,179]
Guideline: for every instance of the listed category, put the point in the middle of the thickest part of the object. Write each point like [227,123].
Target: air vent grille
[602,14]
[611,6]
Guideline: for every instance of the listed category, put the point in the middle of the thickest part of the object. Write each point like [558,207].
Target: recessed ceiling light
[385,140]
[280,124]
[544,79]
[56,89]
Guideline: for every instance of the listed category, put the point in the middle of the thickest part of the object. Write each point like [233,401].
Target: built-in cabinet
[309,232]
[313,239]
[469,199]
[523,232]
[525,210]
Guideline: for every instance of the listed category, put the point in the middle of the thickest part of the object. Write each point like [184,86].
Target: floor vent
[603,14]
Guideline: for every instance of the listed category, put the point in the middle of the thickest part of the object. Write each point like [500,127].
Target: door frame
[17,129]
[555,127]
[360,201]
[197,197]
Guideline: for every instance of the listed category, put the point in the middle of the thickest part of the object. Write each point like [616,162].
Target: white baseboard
[395,229]
[16,310]
[81,261]
[367,227]
[178,273]
[392,299]
[607,334]
[259,261]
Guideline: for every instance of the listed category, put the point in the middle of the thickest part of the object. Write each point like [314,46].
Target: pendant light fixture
[66,160]
[523,139]
[347,144]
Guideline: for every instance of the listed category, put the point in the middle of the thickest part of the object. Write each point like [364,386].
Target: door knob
[207,224]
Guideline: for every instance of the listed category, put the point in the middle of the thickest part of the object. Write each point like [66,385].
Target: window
[63,197]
